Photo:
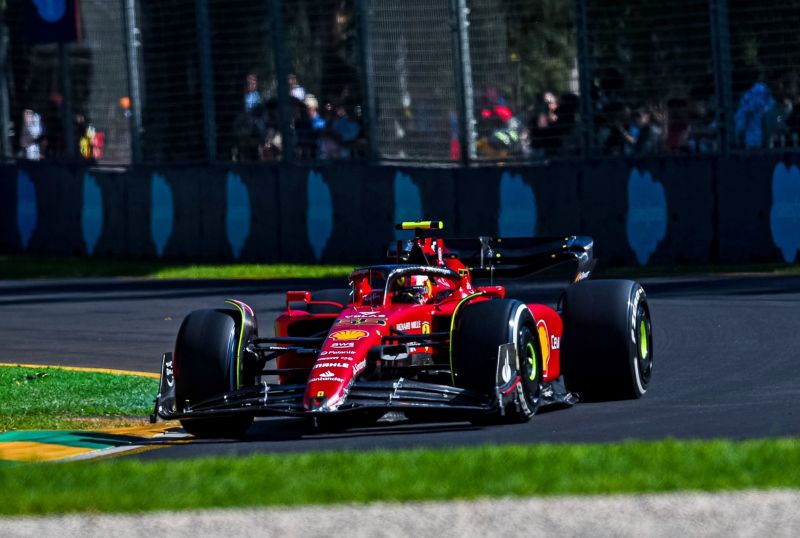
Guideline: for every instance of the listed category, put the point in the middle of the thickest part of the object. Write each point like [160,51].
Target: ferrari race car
[416,337]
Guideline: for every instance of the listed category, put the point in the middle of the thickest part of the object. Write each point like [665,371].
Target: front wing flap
[267,399]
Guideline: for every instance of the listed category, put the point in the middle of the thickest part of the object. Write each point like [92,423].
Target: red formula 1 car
[416,336]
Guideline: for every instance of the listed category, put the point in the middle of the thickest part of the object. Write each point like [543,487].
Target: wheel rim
[530,366]
[531,356]
[645,350]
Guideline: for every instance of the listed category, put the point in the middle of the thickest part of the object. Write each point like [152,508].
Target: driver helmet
[416,288]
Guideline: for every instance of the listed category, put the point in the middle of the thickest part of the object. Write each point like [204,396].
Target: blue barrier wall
[651,211]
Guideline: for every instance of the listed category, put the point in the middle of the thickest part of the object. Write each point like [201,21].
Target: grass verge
[18,266]
[52,398]
[406,475]
[14,267]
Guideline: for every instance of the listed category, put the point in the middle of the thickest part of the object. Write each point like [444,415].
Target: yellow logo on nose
[349,335]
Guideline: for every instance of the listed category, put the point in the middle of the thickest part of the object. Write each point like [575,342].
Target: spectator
[546,111]
[702,126]
[306,137]
[270,145]
[775,123]
[251,96]
[318,123]
[328,143]
[750,114]
[31,136]
[346,130]
[677,139]
[646,131]
[500,134]
[565,128]
[544,140]
[295,89]
[616,117]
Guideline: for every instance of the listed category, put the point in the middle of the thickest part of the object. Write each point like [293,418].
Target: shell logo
[544,343]
[348,335]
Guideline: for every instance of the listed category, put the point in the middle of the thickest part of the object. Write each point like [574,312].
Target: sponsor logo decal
[351,334]
[506,371]
[409,325]
[356,320]
[555,342]
[320,394]
[634,311]
[544,342]
[320,378]
[327,374]
[360,366]
[331,365]
[169,373]
[374,314]
[343,355]
[342,345]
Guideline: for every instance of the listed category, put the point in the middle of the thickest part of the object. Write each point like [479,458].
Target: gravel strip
[750,513]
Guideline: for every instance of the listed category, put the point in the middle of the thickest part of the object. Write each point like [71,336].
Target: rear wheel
[208,364]
[479,332]
[607,347]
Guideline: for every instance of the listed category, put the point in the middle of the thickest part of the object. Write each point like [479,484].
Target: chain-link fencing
[448,81]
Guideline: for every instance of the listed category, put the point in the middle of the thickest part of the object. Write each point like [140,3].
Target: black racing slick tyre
[479,330]
[607,346]
[206,355]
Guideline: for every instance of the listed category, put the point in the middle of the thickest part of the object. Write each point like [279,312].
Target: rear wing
[520,256]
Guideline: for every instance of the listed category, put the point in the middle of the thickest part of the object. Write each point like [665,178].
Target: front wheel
[207,355]
[479,332]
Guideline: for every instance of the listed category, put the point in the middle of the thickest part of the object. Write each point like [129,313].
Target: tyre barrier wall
[660,211]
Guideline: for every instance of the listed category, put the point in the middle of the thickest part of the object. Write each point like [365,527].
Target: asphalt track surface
[726,359]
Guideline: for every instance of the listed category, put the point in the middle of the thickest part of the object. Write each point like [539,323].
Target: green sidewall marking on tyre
[532,362]
[237,381]
[643,340]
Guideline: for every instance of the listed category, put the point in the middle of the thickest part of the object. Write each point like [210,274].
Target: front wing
[270,399]
[274,399]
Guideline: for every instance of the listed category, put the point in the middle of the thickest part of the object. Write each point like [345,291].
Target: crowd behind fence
[457,81]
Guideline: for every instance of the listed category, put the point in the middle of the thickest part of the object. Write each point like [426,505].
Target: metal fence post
[459,13]
[5,113]
[206,79]
[282,73]
[367,79]
[134,84]
[70,143]
[721,47]
[584,77]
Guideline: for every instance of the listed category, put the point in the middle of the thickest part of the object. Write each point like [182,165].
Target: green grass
[51,398]
[38,398]
[406,475]
[15,267]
